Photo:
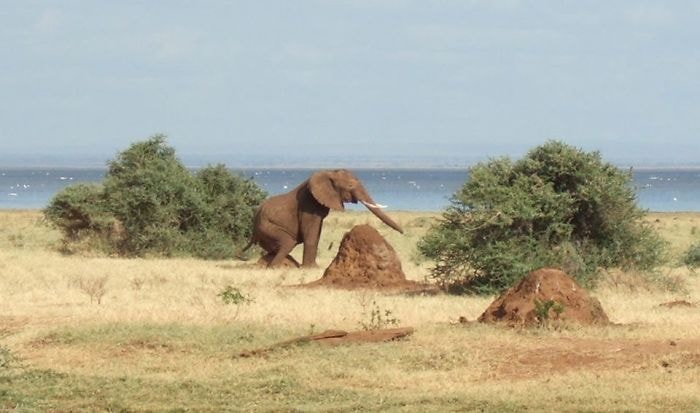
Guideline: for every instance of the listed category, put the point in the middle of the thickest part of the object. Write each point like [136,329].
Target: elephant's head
[333,188]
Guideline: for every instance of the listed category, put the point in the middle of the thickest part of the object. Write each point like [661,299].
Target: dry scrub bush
[691,258]
[94,287]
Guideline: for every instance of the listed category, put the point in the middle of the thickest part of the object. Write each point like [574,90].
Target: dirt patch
[545,295]
[289,261]
[10,325]
[366,260]
[560,356]
[337,337]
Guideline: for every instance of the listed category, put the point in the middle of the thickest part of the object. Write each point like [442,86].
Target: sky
[349,82]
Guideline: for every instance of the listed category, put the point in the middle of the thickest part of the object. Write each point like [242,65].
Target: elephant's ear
[324,191]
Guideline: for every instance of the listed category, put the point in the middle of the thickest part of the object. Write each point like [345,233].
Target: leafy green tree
[558,206]
[152,194]
[159,207]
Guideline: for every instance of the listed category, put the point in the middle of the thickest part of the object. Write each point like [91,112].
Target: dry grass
[681,229]
[160,338]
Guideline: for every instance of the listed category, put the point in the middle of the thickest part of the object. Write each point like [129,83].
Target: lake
[401,189]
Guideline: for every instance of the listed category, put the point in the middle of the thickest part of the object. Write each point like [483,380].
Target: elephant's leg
[311,239]
[285,247]
[310,252]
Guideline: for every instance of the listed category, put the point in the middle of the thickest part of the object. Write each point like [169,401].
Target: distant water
[401,189]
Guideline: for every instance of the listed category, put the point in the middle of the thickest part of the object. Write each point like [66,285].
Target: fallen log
[336,337]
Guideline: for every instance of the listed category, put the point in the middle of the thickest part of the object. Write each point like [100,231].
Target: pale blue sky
[350,81]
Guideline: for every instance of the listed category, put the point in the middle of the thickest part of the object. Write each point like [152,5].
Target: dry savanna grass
[80,333]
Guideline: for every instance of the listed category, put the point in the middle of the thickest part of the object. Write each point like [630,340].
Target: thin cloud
[650,15]
[49,21]
[307,53]
[174,44]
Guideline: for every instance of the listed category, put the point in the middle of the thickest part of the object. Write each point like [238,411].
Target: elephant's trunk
[376,209]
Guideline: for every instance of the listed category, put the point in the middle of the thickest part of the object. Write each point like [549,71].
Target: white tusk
[367,204]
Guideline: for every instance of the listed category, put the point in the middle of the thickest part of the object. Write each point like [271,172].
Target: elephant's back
[278,209]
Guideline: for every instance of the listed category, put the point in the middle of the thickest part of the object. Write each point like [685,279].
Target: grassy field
[81,333]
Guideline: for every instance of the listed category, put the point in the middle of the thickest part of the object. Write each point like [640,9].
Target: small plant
[233,295]
[6,358]
[379,318]
[95,287]
[542,309]
[17,240]
[136,283]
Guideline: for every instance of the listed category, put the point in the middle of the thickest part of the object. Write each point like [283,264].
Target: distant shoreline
[358,168]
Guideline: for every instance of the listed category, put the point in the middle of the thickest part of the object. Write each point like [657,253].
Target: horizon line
[297,166]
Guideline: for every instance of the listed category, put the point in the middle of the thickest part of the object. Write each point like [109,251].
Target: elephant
[286,220]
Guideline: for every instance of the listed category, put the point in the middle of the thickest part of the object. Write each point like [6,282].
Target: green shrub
[558,206]
[542,311]
[157,207]
[379,318]
[229,207]
[78,209]
[152,194]
[691,258]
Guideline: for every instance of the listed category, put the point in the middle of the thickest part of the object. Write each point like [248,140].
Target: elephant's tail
[240,254]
